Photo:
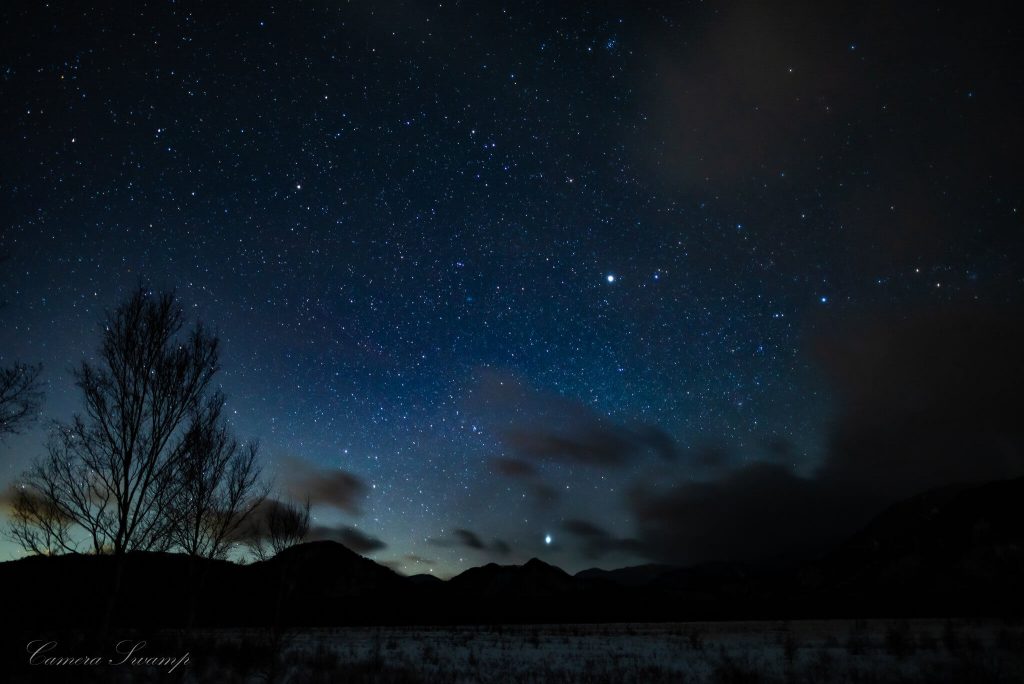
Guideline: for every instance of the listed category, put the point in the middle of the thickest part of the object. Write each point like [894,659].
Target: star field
[649,212]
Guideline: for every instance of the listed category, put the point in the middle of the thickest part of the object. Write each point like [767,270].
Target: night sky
[499,280]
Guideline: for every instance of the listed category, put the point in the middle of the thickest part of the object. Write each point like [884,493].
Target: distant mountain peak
[635,575]
[324,547]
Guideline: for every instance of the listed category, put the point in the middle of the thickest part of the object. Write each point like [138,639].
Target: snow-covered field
[798,651]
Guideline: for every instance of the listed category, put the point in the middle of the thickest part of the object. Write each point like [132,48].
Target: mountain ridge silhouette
[956,551]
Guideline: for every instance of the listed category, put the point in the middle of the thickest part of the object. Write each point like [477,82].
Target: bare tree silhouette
[113,473]
[20,396]
[220,485]
[20,393]
[281,526]
[37,525]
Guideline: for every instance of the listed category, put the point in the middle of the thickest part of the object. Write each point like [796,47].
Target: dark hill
[329,570]
[532,592]
[961,546]
[633,576]
[535,578]
[957,551]
[425,580]
[152,589]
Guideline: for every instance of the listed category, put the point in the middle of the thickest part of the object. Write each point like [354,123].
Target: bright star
[610,278]
[547,538]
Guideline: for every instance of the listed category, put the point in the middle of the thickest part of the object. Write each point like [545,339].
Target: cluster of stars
[373,209]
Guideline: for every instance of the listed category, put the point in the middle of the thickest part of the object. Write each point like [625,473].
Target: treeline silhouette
[150,463]
[948,553]
[20,391]
[139,500]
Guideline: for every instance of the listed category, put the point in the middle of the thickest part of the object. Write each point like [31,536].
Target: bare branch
[113,471]
[20,397]
[219,485]
[276,526]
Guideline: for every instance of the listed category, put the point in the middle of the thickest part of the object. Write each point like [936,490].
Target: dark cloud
[256,526]
[257,523]
[778,448]
[325,486]
[549,427]
[543,494]
[420,560]
[598,542]
[584,529]
[760,512]
[922,402]
[708,456]
[461,537]
[594,442]
[656,439]
[765,97]
[469,539]
[9,498]
[514,467]
[758,88]
[354,539]
[926,400]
